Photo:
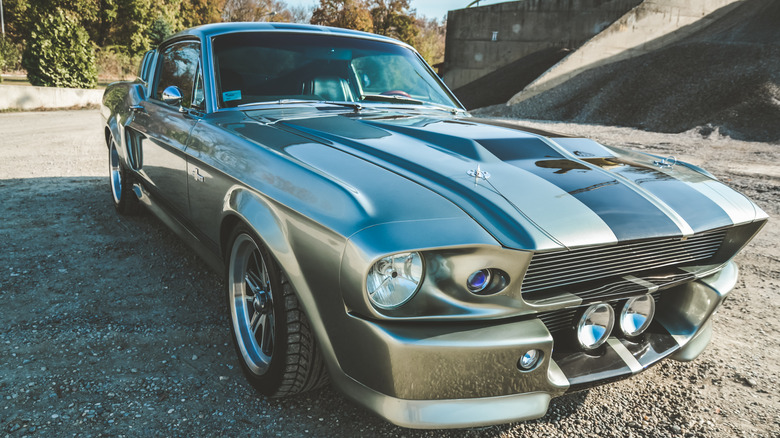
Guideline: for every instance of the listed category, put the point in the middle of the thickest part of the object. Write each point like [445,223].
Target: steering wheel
[395,93]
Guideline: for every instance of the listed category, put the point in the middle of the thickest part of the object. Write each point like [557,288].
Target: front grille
[564,268]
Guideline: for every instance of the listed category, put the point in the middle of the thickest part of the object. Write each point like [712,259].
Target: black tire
[272,336]
[125,200]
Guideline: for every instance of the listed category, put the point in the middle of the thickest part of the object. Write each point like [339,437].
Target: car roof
[209,30]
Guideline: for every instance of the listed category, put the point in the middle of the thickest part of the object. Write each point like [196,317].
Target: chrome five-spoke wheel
[125,200]
[273,338]
[272,335]
[252,304]
[114,173]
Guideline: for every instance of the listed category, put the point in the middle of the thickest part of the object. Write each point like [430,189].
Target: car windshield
[255,67]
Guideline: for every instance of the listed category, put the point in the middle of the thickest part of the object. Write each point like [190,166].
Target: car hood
[531,191]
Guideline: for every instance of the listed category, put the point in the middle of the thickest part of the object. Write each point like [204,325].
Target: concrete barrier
[647,27]
[481,40]
[29,98]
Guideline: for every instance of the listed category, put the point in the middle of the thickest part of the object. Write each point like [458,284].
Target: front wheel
[125,201]
[271,334]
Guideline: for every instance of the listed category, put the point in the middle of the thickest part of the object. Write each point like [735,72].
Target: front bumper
[466,375]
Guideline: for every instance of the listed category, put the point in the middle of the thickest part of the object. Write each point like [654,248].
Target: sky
[430,8]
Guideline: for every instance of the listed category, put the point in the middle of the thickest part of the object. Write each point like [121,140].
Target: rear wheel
[125,201]
[271,334]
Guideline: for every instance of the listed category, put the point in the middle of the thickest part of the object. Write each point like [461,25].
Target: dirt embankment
[725,77]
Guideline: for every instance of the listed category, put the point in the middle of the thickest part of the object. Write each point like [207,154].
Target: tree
[300,14]
[14,12]
[142,24]
[134,17]
[349,14]
[430,40]
[100,21]
[254,10]
[159,30]
[59,52]
[197,12]
[394,19]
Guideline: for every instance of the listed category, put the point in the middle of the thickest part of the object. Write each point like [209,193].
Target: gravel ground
[113,327]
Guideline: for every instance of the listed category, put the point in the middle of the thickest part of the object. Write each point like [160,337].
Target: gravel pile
[726,77]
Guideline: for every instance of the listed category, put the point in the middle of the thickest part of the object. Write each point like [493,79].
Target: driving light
[594,326]
[529,360]
[393,280]
[637,314]
[479,280]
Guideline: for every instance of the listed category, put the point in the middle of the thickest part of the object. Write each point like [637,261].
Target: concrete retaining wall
[649,26]
[483,39]
[30,98]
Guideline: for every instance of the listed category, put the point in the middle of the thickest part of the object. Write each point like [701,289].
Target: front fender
[115,109]
[307,252]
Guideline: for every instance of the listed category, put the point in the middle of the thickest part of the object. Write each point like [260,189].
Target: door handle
[138,109]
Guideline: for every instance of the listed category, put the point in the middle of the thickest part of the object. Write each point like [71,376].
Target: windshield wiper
[450,109]
[354,105]
[402,99]
[396,99]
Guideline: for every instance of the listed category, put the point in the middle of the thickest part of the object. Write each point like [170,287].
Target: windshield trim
[357,106]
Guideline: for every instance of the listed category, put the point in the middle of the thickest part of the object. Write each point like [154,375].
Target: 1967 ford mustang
[441,270]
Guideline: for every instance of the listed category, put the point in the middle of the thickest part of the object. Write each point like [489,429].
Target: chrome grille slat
[579,258]
[563,268]
[618,268]
[625,247]
[669,257]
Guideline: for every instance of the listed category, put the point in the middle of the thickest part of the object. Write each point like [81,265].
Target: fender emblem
[478,174]
[198,177]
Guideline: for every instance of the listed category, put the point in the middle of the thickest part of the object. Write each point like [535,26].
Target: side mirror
[172,96]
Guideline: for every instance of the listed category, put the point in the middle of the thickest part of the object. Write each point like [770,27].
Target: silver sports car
[440,270]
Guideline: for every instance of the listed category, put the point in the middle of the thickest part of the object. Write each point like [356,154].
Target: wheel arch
[112,131]
[245,207]
[264,219]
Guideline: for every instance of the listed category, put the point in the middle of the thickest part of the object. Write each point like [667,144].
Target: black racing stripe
[698,210]
[629,215]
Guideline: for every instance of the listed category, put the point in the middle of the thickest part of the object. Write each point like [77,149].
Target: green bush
[59,52]
[113,63]
[10,55]
[160,29]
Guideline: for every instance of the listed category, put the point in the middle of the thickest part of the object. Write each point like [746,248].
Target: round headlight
[637,314]
[393,280]
[479,280]
[594,326]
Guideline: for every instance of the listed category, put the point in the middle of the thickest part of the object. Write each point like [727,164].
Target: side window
[146,65]
[178,67]
[198,94]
